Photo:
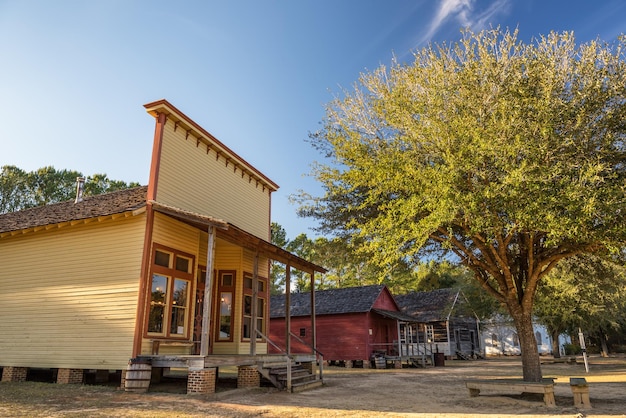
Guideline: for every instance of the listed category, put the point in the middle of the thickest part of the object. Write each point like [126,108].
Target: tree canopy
[585,292]
[22,190]
[509,155]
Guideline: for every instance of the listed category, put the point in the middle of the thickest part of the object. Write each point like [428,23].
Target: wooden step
[300,387]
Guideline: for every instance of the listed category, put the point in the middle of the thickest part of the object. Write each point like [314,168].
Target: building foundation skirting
[14,374]
[201,381]
[70,376]
[248,377]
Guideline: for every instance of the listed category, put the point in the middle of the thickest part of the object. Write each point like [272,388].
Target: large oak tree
[508,154]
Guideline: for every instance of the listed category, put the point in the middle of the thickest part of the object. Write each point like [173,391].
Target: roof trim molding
[201,135]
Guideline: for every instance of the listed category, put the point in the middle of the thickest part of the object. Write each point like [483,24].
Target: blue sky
[74,74]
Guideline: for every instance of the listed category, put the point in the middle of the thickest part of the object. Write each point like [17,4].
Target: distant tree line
[20,189]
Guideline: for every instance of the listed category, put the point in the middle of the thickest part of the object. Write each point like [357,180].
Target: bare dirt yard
[409,392]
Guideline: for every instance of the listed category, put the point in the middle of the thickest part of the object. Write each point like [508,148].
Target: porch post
[288,308]
[313,333]
[208,293]
[399,341]
[255,291]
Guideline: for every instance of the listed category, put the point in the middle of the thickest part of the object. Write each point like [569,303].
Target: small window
[261,286]
[227,279]
[303,332]
[161,258]
[182,264]
[538,338]
[247,282]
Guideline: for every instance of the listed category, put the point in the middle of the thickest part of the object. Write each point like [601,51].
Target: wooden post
[208,293]
[288,308]
[255,291]
[313,333]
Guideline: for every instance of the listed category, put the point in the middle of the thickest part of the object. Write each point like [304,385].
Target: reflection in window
[179,306]
[157,303]
[226,302]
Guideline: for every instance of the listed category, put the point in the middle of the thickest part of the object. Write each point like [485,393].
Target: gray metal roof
[327,302]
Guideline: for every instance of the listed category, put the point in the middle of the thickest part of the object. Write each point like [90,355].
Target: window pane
[159,287]
[161,258]
[201,278]
[227,280]
[177,326]
[260,308]
[247,305]
[246,327]
[261,286]
[225,315]
[155,324]
[182,264]
[157,303]
[247,282]
[259,326]
[180,292]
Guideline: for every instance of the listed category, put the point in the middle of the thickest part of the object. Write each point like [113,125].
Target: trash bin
[440,359]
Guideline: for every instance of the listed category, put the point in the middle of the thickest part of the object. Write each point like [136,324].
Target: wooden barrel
[138,375]
[381,363]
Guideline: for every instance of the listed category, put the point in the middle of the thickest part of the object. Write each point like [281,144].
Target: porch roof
[232,233]
[399,316]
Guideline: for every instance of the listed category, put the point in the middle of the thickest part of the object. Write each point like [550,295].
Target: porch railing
[319,357]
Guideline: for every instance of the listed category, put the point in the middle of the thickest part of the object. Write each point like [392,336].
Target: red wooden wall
[341,336]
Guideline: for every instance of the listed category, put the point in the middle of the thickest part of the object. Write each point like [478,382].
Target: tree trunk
[531,365]
[604,349]
[556,349]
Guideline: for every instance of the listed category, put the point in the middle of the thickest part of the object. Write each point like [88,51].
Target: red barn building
[352,324]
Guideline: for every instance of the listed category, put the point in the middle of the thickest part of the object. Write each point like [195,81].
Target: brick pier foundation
[14,374]
[201,381]
[248,377]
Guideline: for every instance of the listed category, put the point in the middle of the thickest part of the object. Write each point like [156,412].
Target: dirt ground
[409,392]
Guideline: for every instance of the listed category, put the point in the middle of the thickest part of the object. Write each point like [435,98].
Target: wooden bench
[580,390]
[514,385]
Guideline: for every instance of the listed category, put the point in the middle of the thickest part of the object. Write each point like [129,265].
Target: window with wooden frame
[226,305]
[170,292]
[261,306]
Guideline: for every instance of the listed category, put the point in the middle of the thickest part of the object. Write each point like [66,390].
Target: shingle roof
[89,207]
[327,302]
[428,306]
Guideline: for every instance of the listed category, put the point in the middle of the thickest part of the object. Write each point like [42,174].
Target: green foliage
[508,155]
[22,190]
[584,291]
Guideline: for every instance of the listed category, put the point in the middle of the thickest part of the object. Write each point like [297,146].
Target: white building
[500,338]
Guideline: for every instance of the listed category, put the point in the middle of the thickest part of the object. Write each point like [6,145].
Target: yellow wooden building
[105,282]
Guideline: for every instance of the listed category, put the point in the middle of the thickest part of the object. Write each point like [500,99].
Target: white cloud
[463,11]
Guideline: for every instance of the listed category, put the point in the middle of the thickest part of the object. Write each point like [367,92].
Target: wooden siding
[339,337]
[69,295]
[199,180]
[385,301]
